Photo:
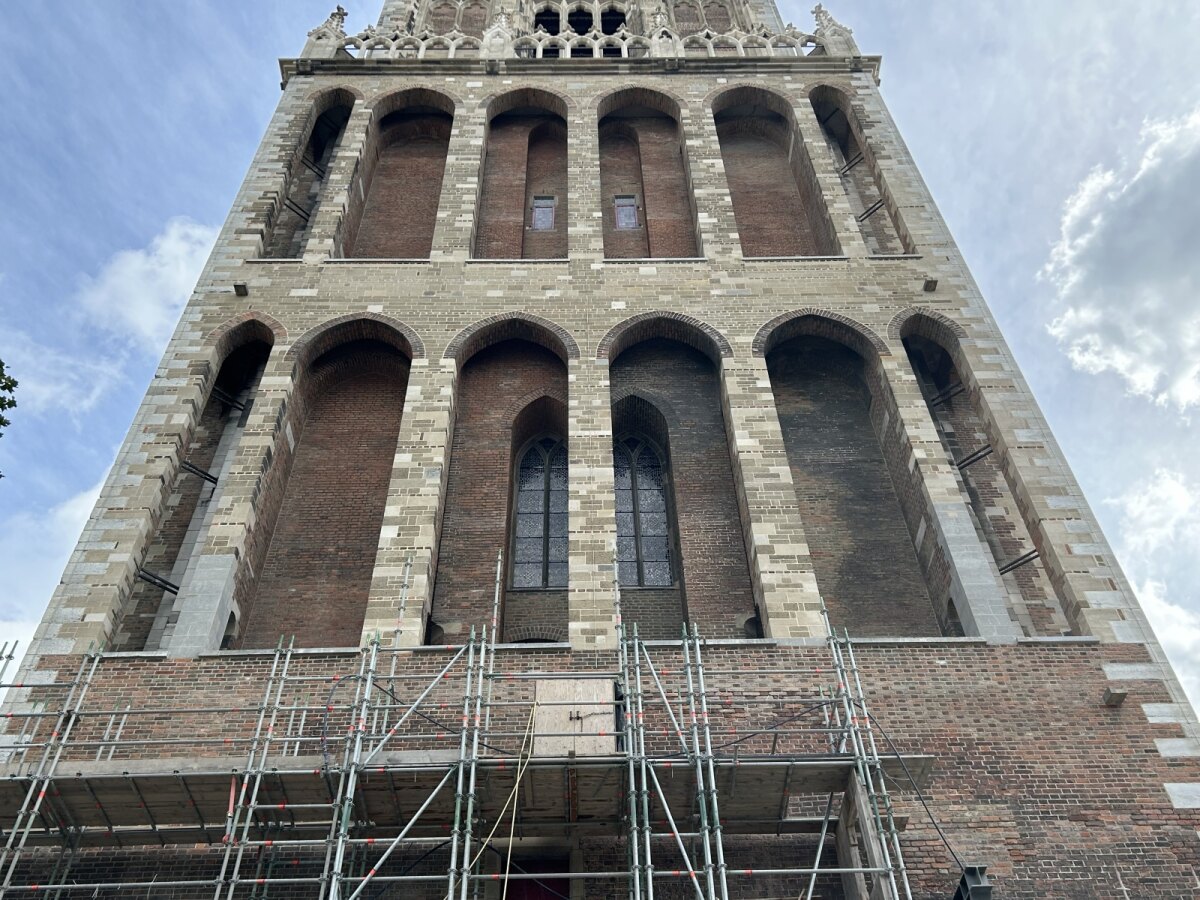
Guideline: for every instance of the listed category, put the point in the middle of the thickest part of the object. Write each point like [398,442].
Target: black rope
[895,752]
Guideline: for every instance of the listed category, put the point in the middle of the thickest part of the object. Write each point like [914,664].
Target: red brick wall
[642,155]
[547,176]
[495,386]
[1033,775]
[401,207]
[526,156]
[861,548]
[317,573]
[774,217]
[683,383]
[669,214]
[473,19]
[621,173]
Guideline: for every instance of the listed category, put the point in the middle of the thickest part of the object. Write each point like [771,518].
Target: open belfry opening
[586,469]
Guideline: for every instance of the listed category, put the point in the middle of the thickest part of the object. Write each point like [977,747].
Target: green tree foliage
[8,385]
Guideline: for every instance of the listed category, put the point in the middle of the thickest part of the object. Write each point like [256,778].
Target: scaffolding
[436,755]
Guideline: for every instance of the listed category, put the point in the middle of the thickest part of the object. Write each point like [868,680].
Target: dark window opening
[610,52]
[550,52]
[543,214]
[580,51]
[611,21]
[539,557]
[580,21]
[626,211]
[548,19]
[643,535]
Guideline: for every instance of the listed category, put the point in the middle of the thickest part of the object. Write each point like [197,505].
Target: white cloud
[35,546]
[1178,631]
[139,293]
[1126,270]
[53,377]
[1158,535]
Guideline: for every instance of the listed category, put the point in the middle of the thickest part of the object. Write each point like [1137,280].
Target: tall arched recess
[858,170]
[681,553]
[506,489]
[323,497]
[523,196]
[873,561]
[405,160]
[149,615]
[306,174]
[777,202]
[933,348]
[645,184]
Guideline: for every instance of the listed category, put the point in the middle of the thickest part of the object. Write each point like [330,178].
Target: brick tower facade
[587,468]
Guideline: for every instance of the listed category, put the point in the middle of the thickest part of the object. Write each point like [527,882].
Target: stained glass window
[643,533]
[539,555]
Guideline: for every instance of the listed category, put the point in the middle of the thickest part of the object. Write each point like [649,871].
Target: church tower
[586,468]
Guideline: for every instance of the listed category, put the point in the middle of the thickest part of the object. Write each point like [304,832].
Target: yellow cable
[522,765]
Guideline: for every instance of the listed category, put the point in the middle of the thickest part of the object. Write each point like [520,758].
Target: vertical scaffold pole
[715,808]
[456,828]
[237,801]
[345,810]
[862,762]
[697,758]
[639,722]
[495,637]
[893,832]
[43,776]
[632,852]
[473,767]
[258,763]
[331,841]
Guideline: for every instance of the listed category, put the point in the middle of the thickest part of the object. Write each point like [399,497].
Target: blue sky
[1062,141]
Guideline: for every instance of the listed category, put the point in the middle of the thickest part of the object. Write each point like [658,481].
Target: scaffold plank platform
[185,801]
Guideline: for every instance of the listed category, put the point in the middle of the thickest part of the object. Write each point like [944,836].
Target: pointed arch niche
[645,181]
[859,172]
[307,173]
[322,499]
[855,496]
[522,211]
[668,418]
[506,488]
[777,203]
[179,537]
[935,353]
[401,180]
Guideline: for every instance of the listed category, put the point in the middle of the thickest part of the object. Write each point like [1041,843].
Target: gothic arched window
[643,535]
[539,557]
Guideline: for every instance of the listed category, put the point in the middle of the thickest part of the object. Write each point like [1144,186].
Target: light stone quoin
[407,425]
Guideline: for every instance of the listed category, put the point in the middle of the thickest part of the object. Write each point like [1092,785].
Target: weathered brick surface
[526,157]
[861,549]
[642,156]
[681,384]
[317,572]
[1034,775]
[401,208]
[510,393]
